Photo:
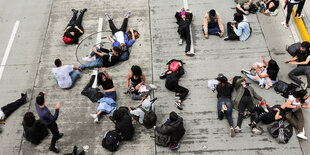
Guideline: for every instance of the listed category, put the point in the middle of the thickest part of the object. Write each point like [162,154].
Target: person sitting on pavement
[295,102]
[74,29]
[243,6]
[269,7]
[172,84]
[137,113]
[65,75]
[173,127]
[239,30]
[8,109]
[120,36]
[212,24]
[105,80]
[246,97]
[224,105]
[276,112]
[135,84]
[104,58]
[302,60]
[123,124]
[49,120]
[34,130]
[184,19]
[265,77]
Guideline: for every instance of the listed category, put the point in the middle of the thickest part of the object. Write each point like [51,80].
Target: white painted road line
[98,41]
[8,48]
[185,4]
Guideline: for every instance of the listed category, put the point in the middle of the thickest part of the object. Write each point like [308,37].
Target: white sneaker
[107,16]
[87,59]
[181,42]
[256,131]
[301,16]
[302,136]
[188,53]
[284,24]
[93,116]
[127,14]
[153,86]
[237,129]
[96,120]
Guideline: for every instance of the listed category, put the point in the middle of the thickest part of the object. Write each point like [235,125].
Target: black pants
[289,11]
[231,33]
[185,34]
[76,21]
[54,130]
[300,70]
[11,107]
[300,7]
[175,87]
[246,102]
[266,118]
[114,29]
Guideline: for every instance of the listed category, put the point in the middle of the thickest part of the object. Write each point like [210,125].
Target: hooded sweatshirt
[174,129]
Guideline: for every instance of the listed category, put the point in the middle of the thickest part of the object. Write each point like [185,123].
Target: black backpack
[111,141]
[284,88]
[150,117]
[293,48]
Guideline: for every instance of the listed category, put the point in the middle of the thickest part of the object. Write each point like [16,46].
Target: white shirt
[119,36]
[2,116]
[294,102]
[62,74]
[138,112]
[293,1]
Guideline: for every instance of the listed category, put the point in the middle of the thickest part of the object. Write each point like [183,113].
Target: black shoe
[74,11]
[83,11]
[226,39]
[111,118]
[60,135]
[74,150]
[251,125]
[179,105]
[54,149]
[153,100]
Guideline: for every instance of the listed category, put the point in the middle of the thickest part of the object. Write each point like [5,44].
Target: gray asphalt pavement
[30,62]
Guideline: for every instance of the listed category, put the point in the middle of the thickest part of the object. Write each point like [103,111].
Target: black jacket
[35,133]
[174,129]
[125,127]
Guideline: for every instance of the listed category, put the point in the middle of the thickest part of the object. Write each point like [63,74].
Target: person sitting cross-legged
[34,130]
[212,24]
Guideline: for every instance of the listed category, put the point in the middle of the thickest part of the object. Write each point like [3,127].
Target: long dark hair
[273,65]
[99,78]
[136,71]
[29,118]
[300,94]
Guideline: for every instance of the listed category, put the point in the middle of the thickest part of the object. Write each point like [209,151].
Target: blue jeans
[259,80]
[124,56]
[75,74]
[213,28]
[228,112]
[97,63]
